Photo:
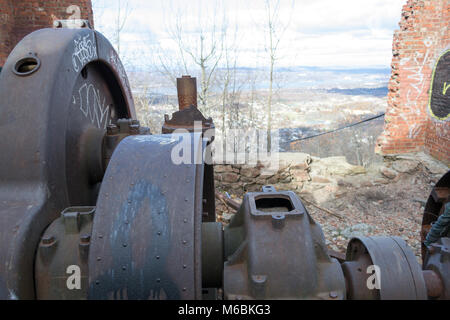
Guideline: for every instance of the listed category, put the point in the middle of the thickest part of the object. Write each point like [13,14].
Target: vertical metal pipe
[187,92]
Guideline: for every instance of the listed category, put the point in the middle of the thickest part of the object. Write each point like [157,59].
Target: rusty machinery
[82,184]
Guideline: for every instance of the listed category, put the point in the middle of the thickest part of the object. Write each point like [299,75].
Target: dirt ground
[394,209]
[369,209]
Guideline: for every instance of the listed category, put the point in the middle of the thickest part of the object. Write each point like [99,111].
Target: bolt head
[333,295]
[134,128]
[48,240]
[85,238]
[112,129]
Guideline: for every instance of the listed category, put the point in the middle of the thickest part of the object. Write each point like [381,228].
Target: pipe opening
[274,205]
[26,66]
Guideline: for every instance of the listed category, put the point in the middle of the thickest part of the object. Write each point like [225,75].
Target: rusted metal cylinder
[433,283]
[187,92]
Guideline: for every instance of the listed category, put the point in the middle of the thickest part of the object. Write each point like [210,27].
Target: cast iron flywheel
[59,90]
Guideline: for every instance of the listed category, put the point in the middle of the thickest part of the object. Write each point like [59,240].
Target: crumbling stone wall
[422,40]
[241,178]
[299,172]
[21,17]
[325,180]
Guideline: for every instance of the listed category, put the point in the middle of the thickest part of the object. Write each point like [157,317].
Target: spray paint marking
[114,60]
[85,51]
[445,88]
[439,101]
[118,66]
[416,88]
[93,106]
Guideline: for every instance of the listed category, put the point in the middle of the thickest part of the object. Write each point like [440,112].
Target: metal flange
[434,207]
[212,255]
[437,268]
[393,264]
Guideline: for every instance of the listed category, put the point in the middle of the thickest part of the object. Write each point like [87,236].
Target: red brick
[21,17]
[409,41]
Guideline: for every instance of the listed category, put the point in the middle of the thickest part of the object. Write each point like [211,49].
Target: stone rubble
[385,199]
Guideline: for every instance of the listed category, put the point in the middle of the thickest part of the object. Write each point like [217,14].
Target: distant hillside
[377,92]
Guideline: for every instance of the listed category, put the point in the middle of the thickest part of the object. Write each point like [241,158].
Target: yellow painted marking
[431,89]
[446,86]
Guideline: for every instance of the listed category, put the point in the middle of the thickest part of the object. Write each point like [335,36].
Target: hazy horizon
[324,33]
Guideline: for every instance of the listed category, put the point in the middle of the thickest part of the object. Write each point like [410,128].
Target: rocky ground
[386,199]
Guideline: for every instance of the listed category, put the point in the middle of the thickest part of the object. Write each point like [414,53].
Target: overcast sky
[336,33]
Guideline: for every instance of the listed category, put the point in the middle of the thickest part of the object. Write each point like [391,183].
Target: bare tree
[252,80]
[123,12]
[230,90]
[199,49]
[275,31]
[206,58]
[99,8]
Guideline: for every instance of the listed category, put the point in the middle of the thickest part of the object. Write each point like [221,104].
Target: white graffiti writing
[442,130]
[118,66]
[93,106]
[4,18]
[415,67]
[84,51]
[75,10]
[114,60]
[417,75]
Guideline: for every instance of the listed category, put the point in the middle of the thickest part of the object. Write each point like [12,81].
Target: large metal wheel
[146,237]
[59,89]
[400,275]
[434,208]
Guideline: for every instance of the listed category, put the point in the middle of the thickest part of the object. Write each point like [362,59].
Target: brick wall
[20,17]
[423,36]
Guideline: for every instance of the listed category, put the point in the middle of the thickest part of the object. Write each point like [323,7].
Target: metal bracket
[72,24]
